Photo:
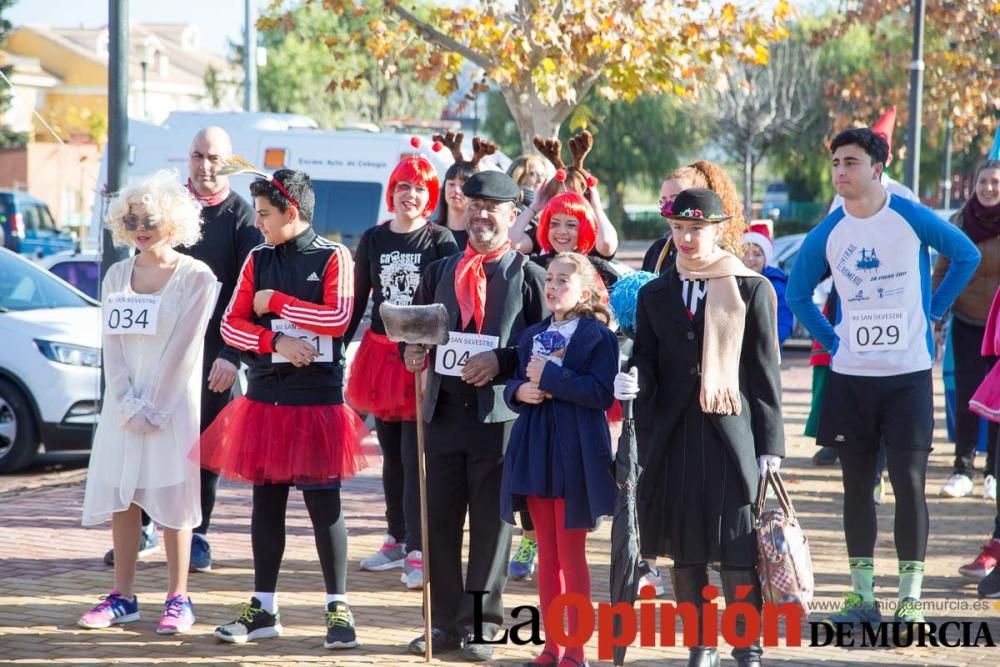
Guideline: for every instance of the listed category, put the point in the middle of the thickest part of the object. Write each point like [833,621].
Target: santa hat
[885,125]
[759,233]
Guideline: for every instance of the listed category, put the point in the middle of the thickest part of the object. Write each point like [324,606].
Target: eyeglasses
[131,223]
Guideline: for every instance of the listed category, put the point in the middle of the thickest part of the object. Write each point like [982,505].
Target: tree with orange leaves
[545,55]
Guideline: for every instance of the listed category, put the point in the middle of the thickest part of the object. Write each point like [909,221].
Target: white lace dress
[158,375]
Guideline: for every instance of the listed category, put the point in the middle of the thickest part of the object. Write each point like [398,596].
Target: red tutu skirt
[379,384]
[615,412]
[262,443]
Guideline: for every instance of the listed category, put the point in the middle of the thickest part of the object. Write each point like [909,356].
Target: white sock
[268,601]
[335,597]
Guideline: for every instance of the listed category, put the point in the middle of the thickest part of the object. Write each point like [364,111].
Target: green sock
[911,578]
[863,578]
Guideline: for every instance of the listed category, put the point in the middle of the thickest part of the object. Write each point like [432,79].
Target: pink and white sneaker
[113,609]
[178,616]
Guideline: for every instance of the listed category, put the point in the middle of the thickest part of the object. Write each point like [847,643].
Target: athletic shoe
[251,623]
[476,652]
[989,587]
[984,563]
[201,554]
[113,609]
[524,563]
[855,611]
[909,613]
[826,456]
[958,486]
[339,626]
[390,556]
[990,487]
[650,576]
[178,616]
[413,571]
[148,543]
[879,491]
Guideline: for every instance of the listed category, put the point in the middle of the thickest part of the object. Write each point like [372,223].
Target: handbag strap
[773,478]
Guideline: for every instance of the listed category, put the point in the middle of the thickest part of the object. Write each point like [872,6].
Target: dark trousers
[970,370]
[464,466]
[398,441]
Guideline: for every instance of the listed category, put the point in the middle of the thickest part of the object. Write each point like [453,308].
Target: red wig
[569,203]
[414,169]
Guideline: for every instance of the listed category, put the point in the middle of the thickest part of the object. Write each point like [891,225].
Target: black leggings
[971,369]
[267,535]
[398,441]
[908,474]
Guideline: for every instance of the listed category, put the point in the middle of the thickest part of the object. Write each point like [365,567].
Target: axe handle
[418,378]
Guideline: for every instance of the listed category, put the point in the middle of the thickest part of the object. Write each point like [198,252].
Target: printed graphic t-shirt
[881,270]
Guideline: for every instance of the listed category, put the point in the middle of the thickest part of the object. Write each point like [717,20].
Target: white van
[349,168]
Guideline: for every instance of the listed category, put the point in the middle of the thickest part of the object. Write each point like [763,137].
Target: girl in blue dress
[558,462]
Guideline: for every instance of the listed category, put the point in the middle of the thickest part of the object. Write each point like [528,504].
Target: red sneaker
[985,562]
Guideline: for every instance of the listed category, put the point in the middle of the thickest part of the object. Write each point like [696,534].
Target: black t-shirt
[461,238]
[388,265]
[653,255]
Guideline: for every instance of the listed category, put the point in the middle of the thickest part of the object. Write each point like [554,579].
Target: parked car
[49,363]
[82,270]
[29,228]
[775,197]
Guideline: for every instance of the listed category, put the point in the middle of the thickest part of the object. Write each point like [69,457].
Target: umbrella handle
[627,410]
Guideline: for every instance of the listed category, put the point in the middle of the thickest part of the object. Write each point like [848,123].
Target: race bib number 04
[878,330]
[322,343]
[131,314]
[450,359]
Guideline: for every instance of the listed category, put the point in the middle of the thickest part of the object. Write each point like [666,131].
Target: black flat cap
[492,185]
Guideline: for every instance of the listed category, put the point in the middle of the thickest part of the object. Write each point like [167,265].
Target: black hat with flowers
[697,205]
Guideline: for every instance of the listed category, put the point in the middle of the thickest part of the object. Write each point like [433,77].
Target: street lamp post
[916,99]
[145,105]
[117,118]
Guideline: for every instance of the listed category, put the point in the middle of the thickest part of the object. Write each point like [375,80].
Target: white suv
[50,358]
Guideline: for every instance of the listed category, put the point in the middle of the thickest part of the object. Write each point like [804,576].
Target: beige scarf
[725,318]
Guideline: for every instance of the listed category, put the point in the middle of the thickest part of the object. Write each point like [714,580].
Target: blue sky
[218,20]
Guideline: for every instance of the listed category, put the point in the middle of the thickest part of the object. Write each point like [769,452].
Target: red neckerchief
[213,199]
[470,284]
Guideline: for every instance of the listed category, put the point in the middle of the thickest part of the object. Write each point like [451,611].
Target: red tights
[562,568]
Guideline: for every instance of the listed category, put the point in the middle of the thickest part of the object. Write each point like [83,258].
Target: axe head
[415,325]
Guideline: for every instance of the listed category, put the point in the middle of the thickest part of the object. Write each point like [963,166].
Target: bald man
[228,236]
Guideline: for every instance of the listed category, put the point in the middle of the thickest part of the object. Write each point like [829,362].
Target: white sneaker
[958,486]
[413,571]
[990,487]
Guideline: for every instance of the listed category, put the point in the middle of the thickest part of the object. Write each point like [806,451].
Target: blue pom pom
[625,296]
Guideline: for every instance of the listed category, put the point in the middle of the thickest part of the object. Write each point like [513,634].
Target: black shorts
[860,412]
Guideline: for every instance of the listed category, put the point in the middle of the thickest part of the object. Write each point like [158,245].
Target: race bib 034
[126,313]
[450,359]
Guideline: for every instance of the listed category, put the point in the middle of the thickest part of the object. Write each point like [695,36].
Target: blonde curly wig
[167,202]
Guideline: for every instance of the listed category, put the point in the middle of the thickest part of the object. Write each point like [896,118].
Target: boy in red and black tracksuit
[292,305]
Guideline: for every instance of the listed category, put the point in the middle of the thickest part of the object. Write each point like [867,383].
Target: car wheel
[18,435]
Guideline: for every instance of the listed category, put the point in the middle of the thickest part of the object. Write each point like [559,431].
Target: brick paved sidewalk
[51,571]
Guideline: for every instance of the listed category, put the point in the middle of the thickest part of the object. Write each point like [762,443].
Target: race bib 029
[322,343]
[878,330]
[126,313]
[450,359]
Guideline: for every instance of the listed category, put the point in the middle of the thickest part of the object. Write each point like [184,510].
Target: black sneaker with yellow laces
[251,623]
[339,626]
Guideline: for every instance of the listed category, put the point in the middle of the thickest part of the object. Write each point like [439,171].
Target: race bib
[322,343]
[126,313]
[451,358]
[878,330]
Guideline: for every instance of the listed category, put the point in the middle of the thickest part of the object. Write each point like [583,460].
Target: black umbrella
[625,525]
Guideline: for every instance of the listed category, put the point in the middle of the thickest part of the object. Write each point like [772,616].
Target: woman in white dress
[155,309]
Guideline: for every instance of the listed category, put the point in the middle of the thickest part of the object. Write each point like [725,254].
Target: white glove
[768,461]
[627,385]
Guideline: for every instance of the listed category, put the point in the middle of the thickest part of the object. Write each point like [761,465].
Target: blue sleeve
[779,281]
[593,388]
[810,265]
[948,240]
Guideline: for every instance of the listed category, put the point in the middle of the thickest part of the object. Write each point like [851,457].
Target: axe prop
[419,325]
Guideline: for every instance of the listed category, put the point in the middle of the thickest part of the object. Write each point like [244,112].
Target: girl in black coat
[709,410]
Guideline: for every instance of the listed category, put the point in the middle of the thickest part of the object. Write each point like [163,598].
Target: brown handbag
[783,561]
